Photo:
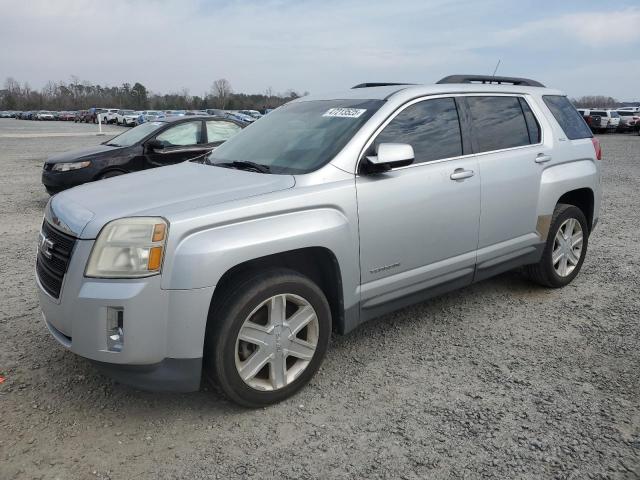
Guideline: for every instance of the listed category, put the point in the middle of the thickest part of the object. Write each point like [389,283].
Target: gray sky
[580,46]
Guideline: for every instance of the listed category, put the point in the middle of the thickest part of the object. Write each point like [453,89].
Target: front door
[181,142]
[419,224]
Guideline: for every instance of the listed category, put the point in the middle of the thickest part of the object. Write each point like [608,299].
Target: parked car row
[603,120]
[128,117]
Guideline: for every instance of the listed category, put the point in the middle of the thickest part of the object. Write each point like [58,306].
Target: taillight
[596,146]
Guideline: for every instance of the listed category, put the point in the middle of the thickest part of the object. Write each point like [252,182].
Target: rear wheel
[267,337]
[564,250]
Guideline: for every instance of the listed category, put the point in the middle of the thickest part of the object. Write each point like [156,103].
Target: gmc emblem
[45,246]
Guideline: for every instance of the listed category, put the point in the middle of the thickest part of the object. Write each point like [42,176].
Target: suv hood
[78,154]
[82,211]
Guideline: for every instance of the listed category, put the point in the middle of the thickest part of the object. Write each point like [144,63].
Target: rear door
[507,141]
[182,141]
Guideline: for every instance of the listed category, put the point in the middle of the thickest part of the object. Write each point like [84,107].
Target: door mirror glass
[388,156]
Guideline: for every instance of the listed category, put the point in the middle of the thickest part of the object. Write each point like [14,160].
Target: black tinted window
[533,126]
[430,127]
[568,117]
[498,122]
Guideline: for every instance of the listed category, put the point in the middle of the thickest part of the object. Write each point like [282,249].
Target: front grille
[54,254]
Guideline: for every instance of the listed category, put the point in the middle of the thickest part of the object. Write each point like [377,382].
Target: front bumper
[55,182]
[163,330]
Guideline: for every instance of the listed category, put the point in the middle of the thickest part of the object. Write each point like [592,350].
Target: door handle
[461,174]
[542,158]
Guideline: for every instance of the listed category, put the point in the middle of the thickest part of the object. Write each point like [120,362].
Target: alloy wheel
[276,342]
[567,247]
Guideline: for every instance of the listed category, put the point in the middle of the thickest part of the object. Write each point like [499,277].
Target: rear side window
[431,127]
[568,118]
[498,123]
[221,131]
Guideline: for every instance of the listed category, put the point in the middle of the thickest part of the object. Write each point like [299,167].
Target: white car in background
[45,116]
[629,119]
[609,119]
[109,115]
[126,117]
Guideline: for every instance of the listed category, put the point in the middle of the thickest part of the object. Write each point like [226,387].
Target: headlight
[129,248]
[65,167]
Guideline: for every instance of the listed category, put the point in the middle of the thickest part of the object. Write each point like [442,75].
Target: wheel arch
[109,170]
[574,183]
[318,263]
[582,198]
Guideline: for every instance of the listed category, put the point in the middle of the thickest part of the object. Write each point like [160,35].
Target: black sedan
[150,145]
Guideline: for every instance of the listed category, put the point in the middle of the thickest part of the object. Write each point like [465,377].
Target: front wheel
[564,250]
[267,337]
[111,174]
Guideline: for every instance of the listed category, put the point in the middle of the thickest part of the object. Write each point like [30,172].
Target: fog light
[115,329]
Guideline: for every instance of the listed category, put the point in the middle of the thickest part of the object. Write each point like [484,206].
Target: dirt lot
[500,380]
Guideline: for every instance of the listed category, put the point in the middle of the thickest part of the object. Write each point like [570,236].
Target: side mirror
[154,144]
[388,156]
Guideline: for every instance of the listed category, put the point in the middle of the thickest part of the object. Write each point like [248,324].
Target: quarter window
[568,118]
[498,123]
[181,135]
[431,127]
[220,131]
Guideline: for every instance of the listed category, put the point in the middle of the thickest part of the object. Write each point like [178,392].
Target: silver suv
[327,212]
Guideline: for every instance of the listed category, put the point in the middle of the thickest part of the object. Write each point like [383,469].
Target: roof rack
[378,84]
[525,82]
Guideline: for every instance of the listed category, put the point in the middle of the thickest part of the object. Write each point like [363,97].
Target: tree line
[80,95]
[598,101]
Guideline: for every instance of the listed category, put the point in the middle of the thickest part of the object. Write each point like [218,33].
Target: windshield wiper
[244,165]
[112,145]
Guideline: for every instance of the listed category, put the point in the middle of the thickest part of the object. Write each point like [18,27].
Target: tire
[111,174]
[248,298]
[545,272]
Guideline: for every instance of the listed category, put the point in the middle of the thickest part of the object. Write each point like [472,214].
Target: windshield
[298,137]
[133,136]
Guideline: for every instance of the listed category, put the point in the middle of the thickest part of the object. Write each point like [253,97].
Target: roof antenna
[496,69]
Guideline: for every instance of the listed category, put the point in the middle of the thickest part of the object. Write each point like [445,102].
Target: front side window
[568,118]
[181,135]
[498,123]
[431,127]
[220,131]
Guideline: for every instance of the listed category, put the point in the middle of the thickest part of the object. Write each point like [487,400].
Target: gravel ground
[500,380]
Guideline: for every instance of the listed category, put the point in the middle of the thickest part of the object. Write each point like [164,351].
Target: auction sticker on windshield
[344,112]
